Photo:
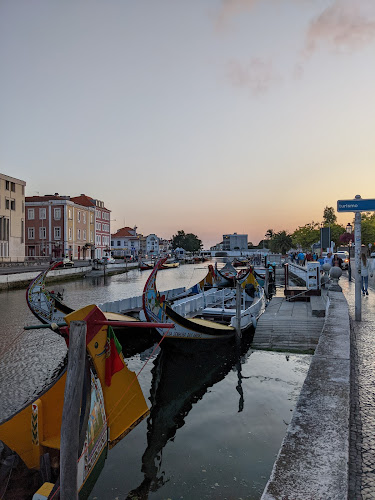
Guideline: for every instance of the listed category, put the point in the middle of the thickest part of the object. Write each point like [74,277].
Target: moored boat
[112,403]
[189,314]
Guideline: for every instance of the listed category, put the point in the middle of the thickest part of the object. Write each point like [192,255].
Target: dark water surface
[217,416]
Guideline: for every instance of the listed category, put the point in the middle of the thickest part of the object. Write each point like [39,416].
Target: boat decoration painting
[190,314]
[112,404]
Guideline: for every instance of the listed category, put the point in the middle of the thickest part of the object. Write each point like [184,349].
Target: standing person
[337,261]
[328,259]
[365,268]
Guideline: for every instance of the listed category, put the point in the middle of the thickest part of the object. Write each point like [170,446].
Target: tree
[346,237]
[368,228]
[336,232]
[306,235]
[189,242]
[329,216]
[281,242]
[269,233]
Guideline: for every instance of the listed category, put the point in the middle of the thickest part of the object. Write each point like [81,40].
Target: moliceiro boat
[112,404]
[207,315]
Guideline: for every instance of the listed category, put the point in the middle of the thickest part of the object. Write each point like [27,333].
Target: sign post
[357,205]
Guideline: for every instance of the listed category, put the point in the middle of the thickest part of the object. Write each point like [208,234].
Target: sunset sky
[211,116]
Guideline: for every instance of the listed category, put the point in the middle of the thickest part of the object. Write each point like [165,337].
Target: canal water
[217,417]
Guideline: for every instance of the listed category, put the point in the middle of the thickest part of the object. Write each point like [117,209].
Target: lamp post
[349,265]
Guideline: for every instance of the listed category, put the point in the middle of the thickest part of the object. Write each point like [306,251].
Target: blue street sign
[357,205]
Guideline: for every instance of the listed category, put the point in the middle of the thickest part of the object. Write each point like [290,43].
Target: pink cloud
[258,75]
[345,25]
[230,9]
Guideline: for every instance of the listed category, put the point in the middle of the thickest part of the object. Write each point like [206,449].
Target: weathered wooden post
[69,440]
[238,310]
[266,281]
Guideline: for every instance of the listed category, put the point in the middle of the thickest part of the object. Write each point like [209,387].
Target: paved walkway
[362,421]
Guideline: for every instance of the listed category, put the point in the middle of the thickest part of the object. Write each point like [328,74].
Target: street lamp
[349,228]
[349,265]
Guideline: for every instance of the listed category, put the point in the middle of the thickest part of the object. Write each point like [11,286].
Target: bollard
[69,440]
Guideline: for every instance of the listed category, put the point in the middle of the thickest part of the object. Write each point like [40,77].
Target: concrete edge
[313,459]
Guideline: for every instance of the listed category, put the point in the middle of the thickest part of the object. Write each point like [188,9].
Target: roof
[124,232]
[86,201]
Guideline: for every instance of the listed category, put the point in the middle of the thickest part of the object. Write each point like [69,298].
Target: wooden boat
[145,266]
[240,263]
[190,313]
[227,275]
[112,404]
[170,265]
[49,307]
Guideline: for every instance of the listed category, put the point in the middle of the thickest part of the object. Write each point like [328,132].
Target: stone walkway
[362,420]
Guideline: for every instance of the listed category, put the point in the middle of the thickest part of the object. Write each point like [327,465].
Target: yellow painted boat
[108,413]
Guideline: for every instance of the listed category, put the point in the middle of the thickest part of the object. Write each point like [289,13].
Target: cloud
[344,25]
[258,75]
[230,9]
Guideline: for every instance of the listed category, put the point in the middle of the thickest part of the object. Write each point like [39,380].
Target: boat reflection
[181,377]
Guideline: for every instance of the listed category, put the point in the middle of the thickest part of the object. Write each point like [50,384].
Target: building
[102,231]
[12,219]
[234,242]
[126,242]
[56,226]
[152,245]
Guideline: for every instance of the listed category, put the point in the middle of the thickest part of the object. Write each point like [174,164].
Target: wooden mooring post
[238,310]
[69,440]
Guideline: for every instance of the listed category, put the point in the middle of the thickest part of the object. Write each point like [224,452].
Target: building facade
[12,219]
[102,221]
[126,242]
[234,242]
[152,245]
[58,227]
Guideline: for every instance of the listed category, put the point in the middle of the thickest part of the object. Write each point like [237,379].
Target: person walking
[337,261]
[365,269]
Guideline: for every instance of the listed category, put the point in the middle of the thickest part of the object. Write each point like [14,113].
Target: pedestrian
[337,261]
[315,256]
[365,268]
[328,259]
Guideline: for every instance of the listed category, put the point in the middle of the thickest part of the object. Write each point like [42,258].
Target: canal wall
[313,460]
[17,280]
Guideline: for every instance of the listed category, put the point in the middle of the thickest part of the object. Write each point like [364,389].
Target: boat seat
[52,442]
[111,316]
[211,324]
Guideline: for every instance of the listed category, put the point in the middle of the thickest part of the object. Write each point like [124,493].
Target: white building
[125,242]
[152,245]
[234,242]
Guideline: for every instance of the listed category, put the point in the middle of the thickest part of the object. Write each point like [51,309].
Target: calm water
[217,417]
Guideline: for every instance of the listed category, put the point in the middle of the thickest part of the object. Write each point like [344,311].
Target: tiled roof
[124,232]
[83,200]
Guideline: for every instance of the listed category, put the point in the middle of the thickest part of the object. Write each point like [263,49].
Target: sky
[212,117]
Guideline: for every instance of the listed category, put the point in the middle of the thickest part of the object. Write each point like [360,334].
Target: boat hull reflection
[180,378]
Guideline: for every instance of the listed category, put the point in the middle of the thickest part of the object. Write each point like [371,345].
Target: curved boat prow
[42,303]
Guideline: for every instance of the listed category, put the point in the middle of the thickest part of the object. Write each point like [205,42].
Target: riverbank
[18,280]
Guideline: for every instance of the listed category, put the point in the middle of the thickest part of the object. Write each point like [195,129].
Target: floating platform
[293,326]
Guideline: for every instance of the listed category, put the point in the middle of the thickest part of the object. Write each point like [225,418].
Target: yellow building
[12,219]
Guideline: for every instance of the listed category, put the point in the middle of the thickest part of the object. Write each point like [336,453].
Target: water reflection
[181,376]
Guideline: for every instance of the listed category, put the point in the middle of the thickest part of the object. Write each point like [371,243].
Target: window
[7,185]
[112,244]
[92,218]
[98,226]
[57,232]
[7,204]
[70,214]
[78,234]
[23,207]
[79,216]
[91,237]
[22,231]
[70,233]
[13,187]
[57,213]
[84,234]
[118,243]
[42,233]
[13,204]
[98,240]
[42,213]
[30,213]
[84,217]
[31,233]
